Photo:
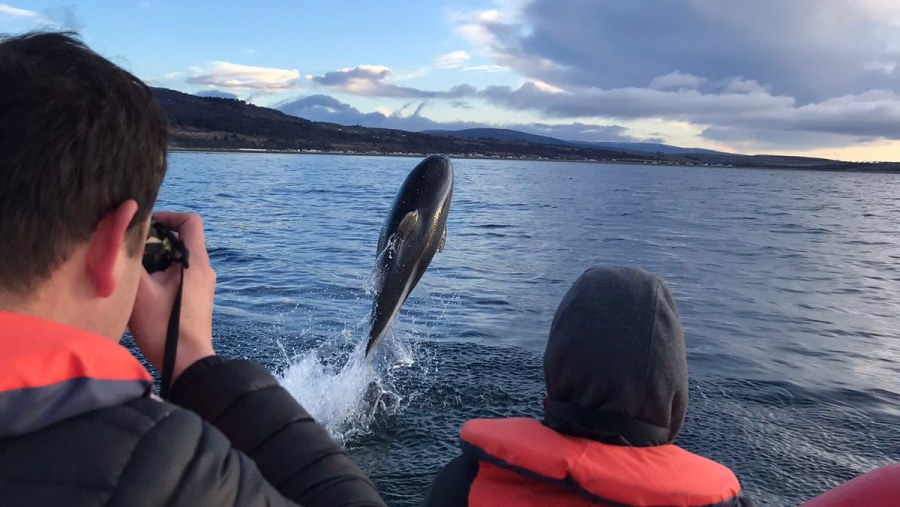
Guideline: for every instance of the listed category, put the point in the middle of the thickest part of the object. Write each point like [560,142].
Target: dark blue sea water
[788,284]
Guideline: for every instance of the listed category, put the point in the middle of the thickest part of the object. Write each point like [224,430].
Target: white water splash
[347,392]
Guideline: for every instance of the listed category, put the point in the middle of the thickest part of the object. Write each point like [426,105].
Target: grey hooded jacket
[615,369]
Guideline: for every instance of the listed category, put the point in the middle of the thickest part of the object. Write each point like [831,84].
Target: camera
[161,248]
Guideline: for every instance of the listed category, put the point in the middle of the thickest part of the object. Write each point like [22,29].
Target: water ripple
[788,284]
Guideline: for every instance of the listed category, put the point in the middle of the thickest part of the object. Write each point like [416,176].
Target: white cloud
[476,27]
[232,76]
[677,80]
[9,10]
[546,87]
[485,68]
[452,60]
[15,19]
[410,75]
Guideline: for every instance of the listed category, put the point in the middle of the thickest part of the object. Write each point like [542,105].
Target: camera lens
[158,254]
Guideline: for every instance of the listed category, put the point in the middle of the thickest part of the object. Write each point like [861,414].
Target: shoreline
[855,167]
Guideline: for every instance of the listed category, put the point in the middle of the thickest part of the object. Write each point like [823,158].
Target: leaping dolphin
[414,230]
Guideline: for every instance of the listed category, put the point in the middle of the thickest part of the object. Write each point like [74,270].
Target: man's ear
[105,245]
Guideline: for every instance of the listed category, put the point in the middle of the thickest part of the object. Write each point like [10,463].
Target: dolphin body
[414,230]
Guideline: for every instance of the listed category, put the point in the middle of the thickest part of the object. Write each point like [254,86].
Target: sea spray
[345,392]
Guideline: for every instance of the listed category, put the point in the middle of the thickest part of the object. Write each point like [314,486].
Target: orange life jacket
[878,488]
[523,463]
[50,372]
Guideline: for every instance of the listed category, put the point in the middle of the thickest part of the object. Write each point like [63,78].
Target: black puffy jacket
[78,428]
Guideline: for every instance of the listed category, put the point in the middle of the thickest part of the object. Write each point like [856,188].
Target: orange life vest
[522,463]
[50,372]
[878,488]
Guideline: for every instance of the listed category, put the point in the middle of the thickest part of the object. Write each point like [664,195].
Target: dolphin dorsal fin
[443,240]
[408,223]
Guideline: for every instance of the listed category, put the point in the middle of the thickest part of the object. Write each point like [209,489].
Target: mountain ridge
[516,135]
[215,123]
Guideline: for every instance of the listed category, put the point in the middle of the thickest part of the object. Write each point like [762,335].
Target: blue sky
[811,77]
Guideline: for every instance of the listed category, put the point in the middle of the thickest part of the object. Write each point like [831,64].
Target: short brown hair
[78,137]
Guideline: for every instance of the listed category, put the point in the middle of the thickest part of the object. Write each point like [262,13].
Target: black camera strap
[165,381]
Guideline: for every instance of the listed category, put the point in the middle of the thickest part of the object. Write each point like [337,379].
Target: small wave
[792,228]
[483,301]
[231,255]
[773,430]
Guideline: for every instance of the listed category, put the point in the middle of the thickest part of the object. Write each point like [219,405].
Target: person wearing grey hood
[615,369]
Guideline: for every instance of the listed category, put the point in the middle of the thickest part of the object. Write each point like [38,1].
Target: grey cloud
[807,49]
[343,76]
[870,115]
[740,85]
[329,109]
[751,139]
[735,103]
[367,80]
[725,106]
[461,104]
[461,91]
[633,103]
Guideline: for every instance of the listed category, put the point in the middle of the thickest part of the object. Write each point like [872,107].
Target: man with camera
[82,157]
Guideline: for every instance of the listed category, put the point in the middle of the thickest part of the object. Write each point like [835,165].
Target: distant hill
[220,123]
[508,135]
[648,148]
[518,136]
[214,123]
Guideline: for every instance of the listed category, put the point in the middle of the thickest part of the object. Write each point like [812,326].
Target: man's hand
[156,294]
